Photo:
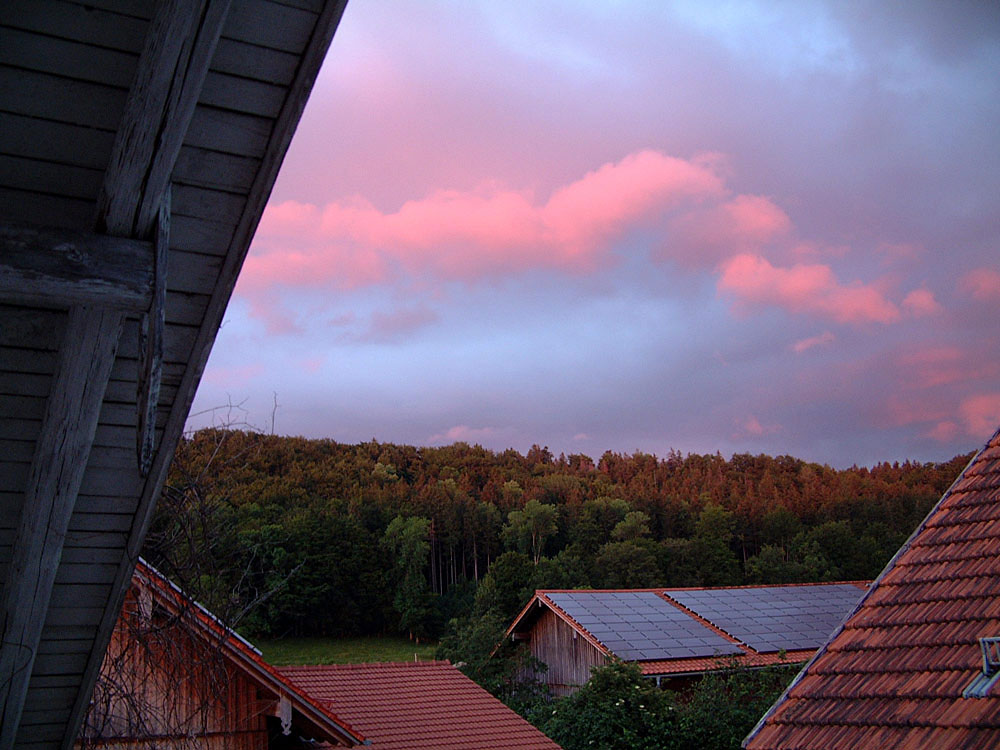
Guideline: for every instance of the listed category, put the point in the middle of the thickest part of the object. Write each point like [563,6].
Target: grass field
[342,650]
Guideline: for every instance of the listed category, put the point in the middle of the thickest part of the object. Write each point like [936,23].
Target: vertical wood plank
[151,343]
[88,352]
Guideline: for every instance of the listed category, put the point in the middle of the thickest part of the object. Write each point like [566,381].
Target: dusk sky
[740,227]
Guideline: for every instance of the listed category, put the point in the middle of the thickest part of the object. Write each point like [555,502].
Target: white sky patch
[527,36]
[788,37]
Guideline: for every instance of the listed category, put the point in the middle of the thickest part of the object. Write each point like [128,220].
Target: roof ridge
[710,625]
[766,585]
[368,665]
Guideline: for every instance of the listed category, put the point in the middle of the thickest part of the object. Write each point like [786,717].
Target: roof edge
[541,596]
[871,589]
[245,655]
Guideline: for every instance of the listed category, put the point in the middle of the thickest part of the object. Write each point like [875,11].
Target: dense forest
[290,536]
[287,536]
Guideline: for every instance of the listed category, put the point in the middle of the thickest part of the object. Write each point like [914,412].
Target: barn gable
[174,676]
[139,142]
[677,633]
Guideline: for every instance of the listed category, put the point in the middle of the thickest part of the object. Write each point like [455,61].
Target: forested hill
[340,539]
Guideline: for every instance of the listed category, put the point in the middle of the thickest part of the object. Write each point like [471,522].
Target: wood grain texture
[151,344]
[170,75]
[64,267]
[57,470]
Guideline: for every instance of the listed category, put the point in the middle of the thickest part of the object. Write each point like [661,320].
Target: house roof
[895,673]
[317,717]
[141,139]
[683,631]
[414,705]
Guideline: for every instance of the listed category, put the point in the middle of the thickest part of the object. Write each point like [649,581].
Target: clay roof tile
[414,705]
[894,674]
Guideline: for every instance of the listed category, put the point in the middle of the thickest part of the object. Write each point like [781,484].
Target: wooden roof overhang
[139,142]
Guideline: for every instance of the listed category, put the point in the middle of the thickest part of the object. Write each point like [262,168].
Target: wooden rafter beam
[135,196]
[151,344]
[171,73]
[60,459]
[63,268]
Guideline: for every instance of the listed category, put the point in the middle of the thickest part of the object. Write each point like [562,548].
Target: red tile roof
[695,666]
[894,675]
[414,705]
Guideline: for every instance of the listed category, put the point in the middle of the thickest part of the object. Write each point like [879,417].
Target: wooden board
[67,58]
[39,208]
[228,132]
[254,62]
[266,24]
[199,167]
[55,142]
[52,97]
[86,23]
[50,178]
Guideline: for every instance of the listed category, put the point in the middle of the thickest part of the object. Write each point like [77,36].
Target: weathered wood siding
[568,655]
[164,685]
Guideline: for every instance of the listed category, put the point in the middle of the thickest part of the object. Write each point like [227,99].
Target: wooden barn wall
[568,655]
[163,685]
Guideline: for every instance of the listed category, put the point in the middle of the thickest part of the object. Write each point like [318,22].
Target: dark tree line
[351,539]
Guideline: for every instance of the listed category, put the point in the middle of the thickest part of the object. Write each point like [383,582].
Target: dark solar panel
[640,625]
[772,618]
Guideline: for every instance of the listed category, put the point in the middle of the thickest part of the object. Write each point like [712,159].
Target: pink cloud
[752,427]
[277,319]
[943,365]
[981,414]
[920,303]
[802,288]
[468,235]
[983,284]
[640,186]
[744,223]
[944,431]
[934,366]
[976,416]
[813,341]
[463,433]
[901,411]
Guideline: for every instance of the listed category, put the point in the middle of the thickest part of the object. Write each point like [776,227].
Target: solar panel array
[641,625]
[772,618]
